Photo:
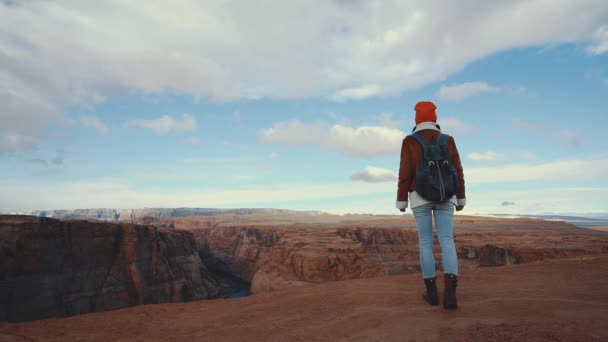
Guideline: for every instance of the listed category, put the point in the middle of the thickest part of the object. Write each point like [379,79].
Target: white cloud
[596,74]
[363,141]
[218,160]
[572,139]
[273,155]
[93,122]
[356,93]
[194,141]
[236,117]
[120,193]
[243,178]
[601,41]
[461,91]
[63,53]
[373,174]
[551,132]
[519,90]
[294,132]
[562,170]
[495,157]
[488,156]
[529,156]
[57,161]
[16,143]
[234,146]
[165,124]
[386,120]
[456,126]
[23,114]
[538,201]
[354,197]
[332,115]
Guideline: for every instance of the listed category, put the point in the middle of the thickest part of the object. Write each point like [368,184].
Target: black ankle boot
[430,294]
[449,292]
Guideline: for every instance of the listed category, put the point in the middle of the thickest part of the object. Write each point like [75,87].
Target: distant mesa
[580,221]
[129,215]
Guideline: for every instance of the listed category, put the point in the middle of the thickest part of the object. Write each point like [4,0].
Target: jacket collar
[427,125]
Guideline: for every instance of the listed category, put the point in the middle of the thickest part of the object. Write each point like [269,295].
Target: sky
[299,105]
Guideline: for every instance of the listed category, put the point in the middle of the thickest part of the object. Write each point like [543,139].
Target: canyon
[273,256]
[61,268]
[55,268]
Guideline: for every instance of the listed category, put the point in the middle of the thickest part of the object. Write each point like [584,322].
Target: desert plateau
[295,276]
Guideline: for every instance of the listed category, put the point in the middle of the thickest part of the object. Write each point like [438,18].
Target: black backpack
[436,177]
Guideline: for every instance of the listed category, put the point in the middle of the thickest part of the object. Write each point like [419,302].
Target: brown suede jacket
[410,157]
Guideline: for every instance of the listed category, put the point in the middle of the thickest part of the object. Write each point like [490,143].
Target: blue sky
[190,105]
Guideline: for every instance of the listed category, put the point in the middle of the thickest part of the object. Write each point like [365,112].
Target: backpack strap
[443,139]
[419,139]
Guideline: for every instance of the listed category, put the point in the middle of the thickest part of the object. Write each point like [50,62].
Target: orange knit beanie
[425,112]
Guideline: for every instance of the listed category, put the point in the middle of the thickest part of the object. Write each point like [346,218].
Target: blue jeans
[444,215]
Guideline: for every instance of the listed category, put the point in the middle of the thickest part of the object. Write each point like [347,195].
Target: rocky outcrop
[277,257]
[59,268]
[271,258]
[274,258]
[62,268]
[491,255]
[395,249]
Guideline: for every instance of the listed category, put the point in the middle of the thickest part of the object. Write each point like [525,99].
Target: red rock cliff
[273,258]
[277,257]
[62,268]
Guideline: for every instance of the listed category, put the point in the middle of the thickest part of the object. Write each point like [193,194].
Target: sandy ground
[602,229]
[558,300]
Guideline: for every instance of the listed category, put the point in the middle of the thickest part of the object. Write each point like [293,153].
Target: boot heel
[430,294]
[449,291]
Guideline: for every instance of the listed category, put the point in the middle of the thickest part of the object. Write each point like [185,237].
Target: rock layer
[63,268]
[58,268]
[273,258]
[276,257]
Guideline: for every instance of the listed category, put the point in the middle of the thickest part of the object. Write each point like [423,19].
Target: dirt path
[565,300]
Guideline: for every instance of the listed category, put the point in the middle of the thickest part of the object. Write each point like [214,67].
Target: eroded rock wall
[62,268]
[272,258]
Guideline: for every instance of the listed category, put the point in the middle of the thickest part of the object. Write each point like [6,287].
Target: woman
[424,209]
